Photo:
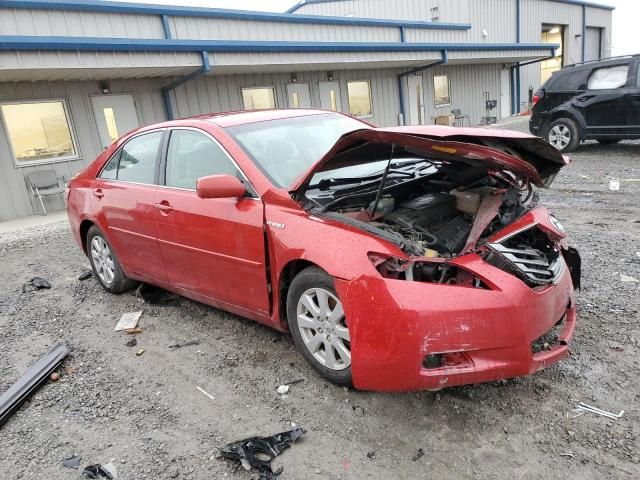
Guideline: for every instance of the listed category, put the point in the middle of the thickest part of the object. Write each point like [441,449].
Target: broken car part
[598,411]
[72,462]
[36,283]
[97,471]
[253,452]
[35,376]
[185,344]
[85,275]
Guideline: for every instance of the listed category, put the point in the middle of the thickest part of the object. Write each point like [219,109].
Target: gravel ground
[146,414]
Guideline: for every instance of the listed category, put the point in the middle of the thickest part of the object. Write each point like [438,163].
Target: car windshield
[286,148]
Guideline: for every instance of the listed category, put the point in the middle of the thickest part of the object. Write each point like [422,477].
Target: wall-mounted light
[555,30]
[294,77]
[104,87]
[485,34]
[330,76]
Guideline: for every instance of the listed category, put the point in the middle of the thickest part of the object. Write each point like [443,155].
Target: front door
[115,115]
[416,100]
[213,247]
[330,96]
[299,95]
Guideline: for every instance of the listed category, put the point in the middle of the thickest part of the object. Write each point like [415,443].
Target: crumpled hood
[520,153]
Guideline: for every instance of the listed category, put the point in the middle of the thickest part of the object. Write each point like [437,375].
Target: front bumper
[395,324]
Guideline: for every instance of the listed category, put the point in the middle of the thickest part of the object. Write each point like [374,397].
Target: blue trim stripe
[102,44]
[302,3]
[180,11]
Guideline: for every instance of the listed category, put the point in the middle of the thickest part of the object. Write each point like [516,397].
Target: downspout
[515,71]
[443,60]
[166,96]
[584,30]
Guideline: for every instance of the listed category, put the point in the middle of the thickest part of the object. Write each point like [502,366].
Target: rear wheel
[563,134]
[105,264]
[608,141]
[318,325]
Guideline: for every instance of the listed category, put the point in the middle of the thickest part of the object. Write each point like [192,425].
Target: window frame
[435,100]
[368,82]
[258,87]
[162,180]
[70,125]
[158,160]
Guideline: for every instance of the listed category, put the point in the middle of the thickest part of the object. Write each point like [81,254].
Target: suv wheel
[563,134]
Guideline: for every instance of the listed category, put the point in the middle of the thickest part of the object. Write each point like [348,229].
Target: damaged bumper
[422,336]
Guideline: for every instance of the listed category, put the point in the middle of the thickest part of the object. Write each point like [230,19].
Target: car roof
[598,63]
[242,117]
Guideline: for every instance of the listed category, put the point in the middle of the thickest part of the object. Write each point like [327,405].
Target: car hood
[520,153]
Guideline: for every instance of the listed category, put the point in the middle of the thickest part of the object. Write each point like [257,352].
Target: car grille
[529,255]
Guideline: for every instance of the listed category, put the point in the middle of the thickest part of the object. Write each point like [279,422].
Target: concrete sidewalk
[32,221]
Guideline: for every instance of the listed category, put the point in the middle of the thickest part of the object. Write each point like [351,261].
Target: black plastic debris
[36,283]
[131,343]
[35,376]
[371,455]
[96,471]
[418,455]
[185,344]
[154,295]
[252,452]
[85,275]
[72,462]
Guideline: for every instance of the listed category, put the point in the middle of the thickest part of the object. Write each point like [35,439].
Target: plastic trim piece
[37,374]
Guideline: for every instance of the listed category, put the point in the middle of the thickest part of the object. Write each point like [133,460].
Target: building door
[505,94]
[416,100]
[115,116]
[299,95]
[592,43]
[330,96]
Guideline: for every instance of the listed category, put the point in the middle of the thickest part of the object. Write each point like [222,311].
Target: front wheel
[318,325]
[563,134]
[105,264]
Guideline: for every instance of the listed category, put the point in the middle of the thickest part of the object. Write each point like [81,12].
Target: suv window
[192,155]
[567,80]
[609,77]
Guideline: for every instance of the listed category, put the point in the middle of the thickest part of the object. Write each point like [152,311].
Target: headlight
[556,223]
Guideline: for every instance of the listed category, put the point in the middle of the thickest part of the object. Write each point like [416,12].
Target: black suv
[598,100]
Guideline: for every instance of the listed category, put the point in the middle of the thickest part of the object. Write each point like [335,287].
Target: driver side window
[192,155]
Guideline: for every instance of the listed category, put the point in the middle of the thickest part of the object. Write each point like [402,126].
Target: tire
[608,141]
[563,134]
[317,325]
[104,263]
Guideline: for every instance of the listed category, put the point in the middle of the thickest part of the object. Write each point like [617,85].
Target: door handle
[98,193]
[164,207]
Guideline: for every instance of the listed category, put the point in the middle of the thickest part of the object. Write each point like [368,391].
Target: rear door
[213,247]
[605,103]
[123,196]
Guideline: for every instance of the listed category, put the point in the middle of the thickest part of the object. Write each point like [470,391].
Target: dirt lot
[146,412]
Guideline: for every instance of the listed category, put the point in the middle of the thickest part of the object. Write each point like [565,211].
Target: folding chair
[459,117]
[45,183]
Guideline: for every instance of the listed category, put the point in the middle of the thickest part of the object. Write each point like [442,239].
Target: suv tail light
[535,100]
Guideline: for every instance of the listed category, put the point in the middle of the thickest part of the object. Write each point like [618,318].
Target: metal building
[74,74]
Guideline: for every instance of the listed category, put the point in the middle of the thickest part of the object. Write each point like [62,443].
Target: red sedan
[399,259]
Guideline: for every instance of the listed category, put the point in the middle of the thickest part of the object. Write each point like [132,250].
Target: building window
[39,131]
[552,34]
[360,98]
[259,98]
[441,97]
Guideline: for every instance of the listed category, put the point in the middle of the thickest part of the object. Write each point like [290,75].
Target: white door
[299,95]
[416,100]
[505,94]
[330,96]
[115,116]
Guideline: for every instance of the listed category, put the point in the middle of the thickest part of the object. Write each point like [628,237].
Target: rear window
[610,77]
[566,80]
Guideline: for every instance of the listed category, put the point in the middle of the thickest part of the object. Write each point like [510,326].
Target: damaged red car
[399,259]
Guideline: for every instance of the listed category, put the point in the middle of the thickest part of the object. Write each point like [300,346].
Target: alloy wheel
[323,328]
[559,136]
[102,260]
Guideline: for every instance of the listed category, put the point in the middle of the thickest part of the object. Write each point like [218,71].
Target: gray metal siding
[596,17]
[72,23]
[14,194]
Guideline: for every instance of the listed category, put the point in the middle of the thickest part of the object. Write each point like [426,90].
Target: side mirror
[219,186]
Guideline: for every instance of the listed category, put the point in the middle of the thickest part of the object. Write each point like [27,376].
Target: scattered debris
[128,321]
[358,410]
[110,469]
[251,452]
[37,374]
[283,390]
[140,352]
[131,343]
[154,295]
[188,343]
[569,454]
[418,454]
[207,394]
[371,455]
[597,411]
[36,283]
[54,377]
[96,471]
[85,275]
[72,462]
[614,185]
[627,278]
[294,382]
[133,331]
